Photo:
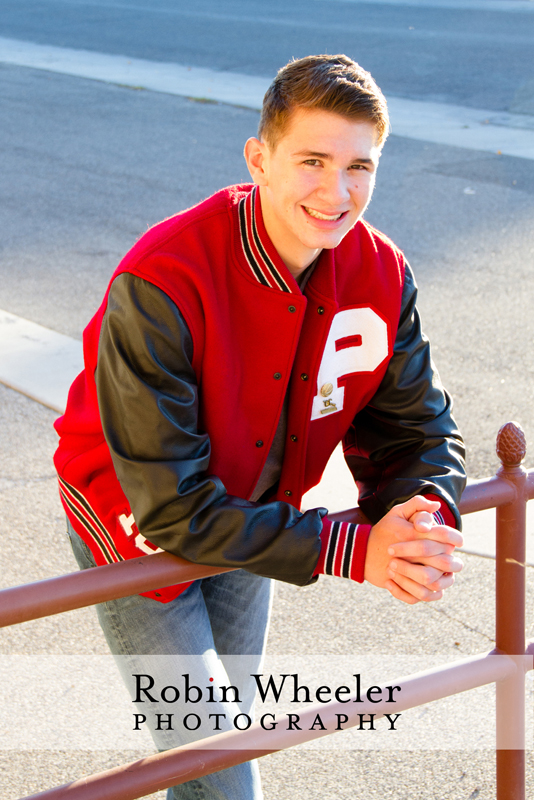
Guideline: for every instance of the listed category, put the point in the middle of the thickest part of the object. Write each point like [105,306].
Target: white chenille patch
[146,546]
[357,342]
[127,524]
[143,544]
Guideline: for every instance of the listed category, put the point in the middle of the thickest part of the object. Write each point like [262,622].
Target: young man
[238,343]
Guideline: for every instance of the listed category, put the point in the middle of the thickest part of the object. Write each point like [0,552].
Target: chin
[324,242]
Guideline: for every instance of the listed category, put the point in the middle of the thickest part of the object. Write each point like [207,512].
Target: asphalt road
[86,167]
[456,55]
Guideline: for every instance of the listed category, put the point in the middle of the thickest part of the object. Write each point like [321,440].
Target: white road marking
[37,361]
[436,33]
[514,6]
[441,123]
[521,6]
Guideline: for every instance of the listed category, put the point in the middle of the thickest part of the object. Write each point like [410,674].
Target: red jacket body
[255,336]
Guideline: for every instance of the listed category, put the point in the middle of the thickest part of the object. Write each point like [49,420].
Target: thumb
[413,505]
[423,521]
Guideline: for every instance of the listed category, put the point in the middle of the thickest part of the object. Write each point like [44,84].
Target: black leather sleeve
[405,441]
[148,401]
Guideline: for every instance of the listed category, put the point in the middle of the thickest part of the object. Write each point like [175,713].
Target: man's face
[316,183]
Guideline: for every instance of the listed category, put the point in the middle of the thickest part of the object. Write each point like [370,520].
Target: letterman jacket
[201,333]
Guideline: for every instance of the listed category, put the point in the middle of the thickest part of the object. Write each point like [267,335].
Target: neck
[296,270]
[296,260]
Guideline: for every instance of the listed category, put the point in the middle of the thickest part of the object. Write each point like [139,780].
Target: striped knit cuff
[438,518]
[343,550]
[443,516]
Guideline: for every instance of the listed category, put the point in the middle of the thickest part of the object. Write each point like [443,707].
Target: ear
[257,156]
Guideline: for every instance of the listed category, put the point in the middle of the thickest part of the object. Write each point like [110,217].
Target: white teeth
[318,215]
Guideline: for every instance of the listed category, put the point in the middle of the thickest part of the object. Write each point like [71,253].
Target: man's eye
[358,166]
[312,162]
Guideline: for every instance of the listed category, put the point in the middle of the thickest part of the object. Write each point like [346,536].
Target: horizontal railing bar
[478,495]
[223,750]
[134,576]
[91,586]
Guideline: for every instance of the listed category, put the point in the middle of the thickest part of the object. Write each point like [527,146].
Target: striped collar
[256,247]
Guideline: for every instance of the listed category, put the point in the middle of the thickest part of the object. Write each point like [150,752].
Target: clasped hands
[410,555]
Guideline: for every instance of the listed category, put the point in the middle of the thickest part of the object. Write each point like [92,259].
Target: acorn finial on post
[511,444]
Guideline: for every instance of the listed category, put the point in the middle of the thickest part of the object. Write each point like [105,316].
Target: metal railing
[508,492]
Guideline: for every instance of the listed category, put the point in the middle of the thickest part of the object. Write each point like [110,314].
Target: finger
[425,575]
[422,593]
[448,550]
[443,563]
[445,582]
[395,590]
[446,533]
[434,580]
[439,533]
[421,548]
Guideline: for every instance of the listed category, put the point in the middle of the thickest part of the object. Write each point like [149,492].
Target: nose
[334,188]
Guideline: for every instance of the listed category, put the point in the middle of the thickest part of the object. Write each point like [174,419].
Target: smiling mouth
[317,214]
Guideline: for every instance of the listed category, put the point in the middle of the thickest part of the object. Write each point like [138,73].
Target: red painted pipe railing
[91,586]
[80,589]
[508,491]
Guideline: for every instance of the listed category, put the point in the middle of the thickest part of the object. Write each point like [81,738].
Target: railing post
[510,615]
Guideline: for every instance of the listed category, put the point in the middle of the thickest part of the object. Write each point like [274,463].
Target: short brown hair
[330,83]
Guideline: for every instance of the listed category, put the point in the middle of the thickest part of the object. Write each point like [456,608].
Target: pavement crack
[462,623]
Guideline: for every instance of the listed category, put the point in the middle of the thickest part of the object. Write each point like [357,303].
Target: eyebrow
[314,154]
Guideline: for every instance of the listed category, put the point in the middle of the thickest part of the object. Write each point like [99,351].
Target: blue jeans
[214,632]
